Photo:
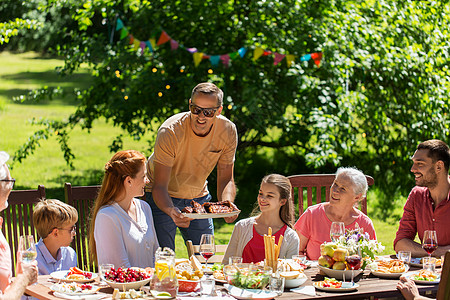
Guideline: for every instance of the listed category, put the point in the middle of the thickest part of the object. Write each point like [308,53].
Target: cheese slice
[196,265]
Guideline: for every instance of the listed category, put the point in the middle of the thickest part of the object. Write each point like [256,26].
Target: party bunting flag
[197,58]
[290,59]
[317,57]
[277,58]
[242,51]
[164,38]
[305,57]
[225,58]
[149,46]
[119,24]
[257,53]
[142,45]
[136,44]
[123,33]
[234,55]
[173,44]
[214,59]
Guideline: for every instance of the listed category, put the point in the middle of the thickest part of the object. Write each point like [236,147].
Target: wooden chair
[318,182]
[194,250]
[18,218]
[82,198]
[444,285]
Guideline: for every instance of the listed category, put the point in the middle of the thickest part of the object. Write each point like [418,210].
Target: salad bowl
[247,276]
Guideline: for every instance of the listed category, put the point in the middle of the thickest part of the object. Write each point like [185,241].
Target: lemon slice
[163,294]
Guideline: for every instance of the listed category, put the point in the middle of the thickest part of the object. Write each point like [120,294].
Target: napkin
[78,297]
[306,290]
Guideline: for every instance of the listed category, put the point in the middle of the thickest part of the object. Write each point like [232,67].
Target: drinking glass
[353,261]
[234,260]
[207,286]
[276,285]
[429,242]
[404,256]
[27,248]
[207,246]
[429,263]
[102,269]
[337,229]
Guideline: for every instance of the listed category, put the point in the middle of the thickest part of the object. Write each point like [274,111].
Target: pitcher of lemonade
[165,278]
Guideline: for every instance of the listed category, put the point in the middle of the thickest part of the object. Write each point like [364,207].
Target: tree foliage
[382,87]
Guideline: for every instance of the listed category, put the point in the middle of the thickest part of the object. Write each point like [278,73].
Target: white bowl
[128,285]
[296,282]
[339,274]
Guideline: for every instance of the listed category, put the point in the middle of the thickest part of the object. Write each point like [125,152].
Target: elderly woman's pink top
[315,225]
[5,261]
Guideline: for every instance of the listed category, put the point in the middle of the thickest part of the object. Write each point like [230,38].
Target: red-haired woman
[122,231]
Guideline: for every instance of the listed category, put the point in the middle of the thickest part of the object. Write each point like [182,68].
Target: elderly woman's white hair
[357,177]
[3,159]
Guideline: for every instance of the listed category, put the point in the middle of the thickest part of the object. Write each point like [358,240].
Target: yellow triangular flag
[197,58]
[136,43]
[153,42]
[257,53]
[289,59]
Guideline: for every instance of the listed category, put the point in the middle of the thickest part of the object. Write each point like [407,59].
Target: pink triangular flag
[225,58]
[277,58]
[173,44]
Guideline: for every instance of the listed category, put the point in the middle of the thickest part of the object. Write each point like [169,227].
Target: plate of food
[208,210]
[333,285]
[390,269]
[130,294]
[244,294]
[73,288]
[73,275]
[424,277]
[417,262]
[218,274]
[126,279]
[340,274]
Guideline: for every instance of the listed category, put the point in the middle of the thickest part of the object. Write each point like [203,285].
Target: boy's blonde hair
[52,213]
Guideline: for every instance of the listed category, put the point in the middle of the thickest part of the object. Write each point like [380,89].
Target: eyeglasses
[73,229]
[11,181]
[207,112]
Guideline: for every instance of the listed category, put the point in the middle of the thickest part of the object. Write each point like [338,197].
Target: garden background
[95,85]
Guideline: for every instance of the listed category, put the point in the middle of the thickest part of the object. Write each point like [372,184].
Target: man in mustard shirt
[188,147]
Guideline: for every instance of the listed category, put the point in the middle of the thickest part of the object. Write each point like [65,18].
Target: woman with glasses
[188,147]
[27,273]
[122,231]
[55,223]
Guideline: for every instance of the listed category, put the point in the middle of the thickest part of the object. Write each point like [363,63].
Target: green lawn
[22,72]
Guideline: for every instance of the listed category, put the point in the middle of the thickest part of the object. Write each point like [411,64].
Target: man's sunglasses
[207,112]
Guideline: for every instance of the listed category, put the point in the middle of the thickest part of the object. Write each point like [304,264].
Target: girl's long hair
[122,164]
[284,188]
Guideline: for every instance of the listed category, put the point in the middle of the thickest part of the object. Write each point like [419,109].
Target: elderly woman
[313,226]
[27,273]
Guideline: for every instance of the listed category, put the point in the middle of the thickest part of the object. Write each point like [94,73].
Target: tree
[381,88]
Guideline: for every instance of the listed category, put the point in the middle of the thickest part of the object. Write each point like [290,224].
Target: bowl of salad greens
[247,276]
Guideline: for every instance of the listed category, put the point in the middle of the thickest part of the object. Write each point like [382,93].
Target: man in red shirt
[428,204]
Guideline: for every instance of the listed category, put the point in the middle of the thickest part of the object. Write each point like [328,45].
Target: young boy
[55,223]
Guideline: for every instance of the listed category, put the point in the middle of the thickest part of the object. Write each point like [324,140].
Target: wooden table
[370,287]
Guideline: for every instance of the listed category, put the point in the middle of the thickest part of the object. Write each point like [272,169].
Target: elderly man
[27,272]
[428,204]
[188,147]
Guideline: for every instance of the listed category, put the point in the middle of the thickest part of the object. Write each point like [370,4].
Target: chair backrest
[82,198]
[18,218]
[316,183]
[216,258]
[444,285]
